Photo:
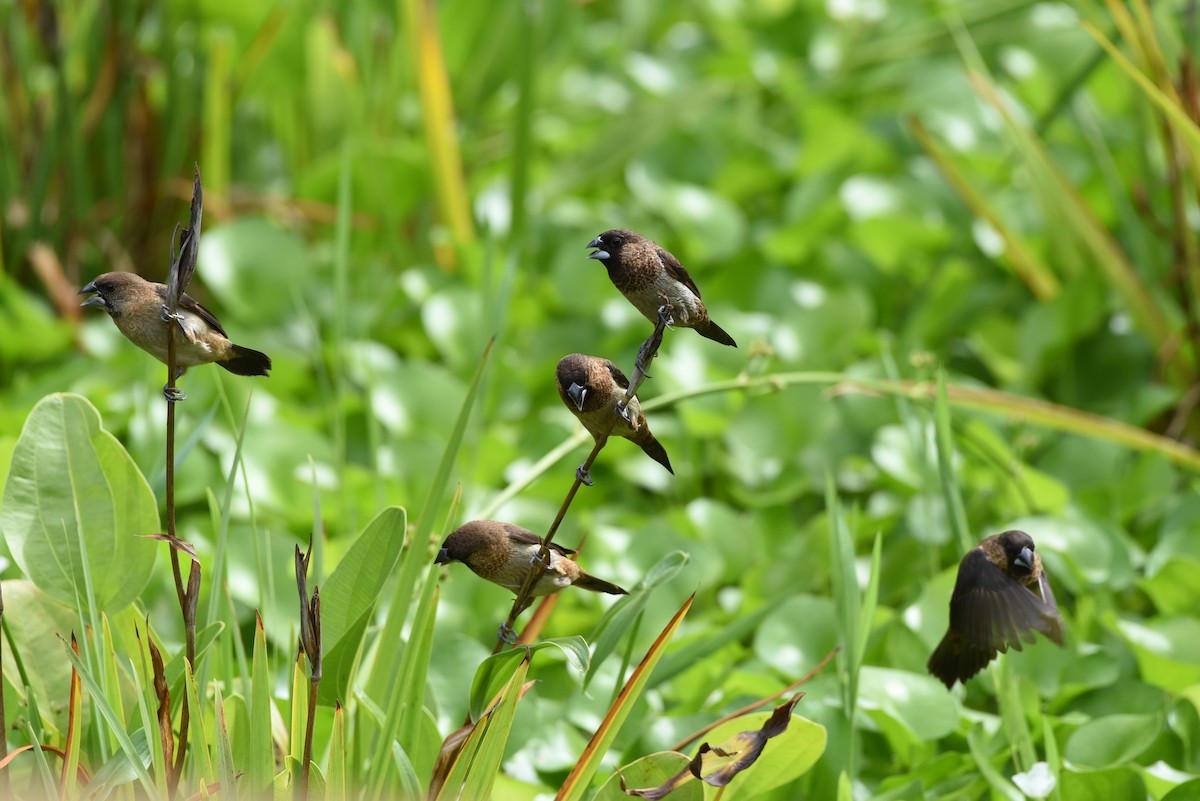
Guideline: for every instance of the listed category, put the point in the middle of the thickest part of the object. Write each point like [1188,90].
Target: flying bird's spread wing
[993,611]
[676,270]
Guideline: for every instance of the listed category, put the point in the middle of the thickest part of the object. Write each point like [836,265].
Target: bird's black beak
[443,557]
[94,300]
[600,253]
[578,395]
[1025,559]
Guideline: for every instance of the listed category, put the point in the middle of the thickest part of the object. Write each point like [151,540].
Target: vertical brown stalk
[646,354]
[179,275]
[310,643]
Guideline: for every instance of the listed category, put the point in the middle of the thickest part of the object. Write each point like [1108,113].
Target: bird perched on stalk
[1001,597]
[592,388]
[137,305]
[504,554]
[655,282]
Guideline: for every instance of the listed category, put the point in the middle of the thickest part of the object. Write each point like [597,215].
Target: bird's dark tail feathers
[955,659]
[716,333]
[594,584]
[247,361]
[654,449]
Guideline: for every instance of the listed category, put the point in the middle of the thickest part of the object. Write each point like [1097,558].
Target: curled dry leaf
[183,546]
[718,764]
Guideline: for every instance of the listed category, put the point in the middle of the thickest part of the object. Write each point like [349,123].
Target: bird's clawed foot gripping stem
[506,634]
[173,394]
[582,476]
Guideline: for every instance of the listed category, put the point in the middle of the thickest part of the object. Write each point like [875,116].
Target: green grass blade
[349,598]
[1107,254]
[259,759]
[225,767]
[1036,275]
[299,718]
[486,764]
[222,514]
[945,461]
[335,782]
[1002,786]
[407,698]
[100,705]
[199,746]
[621,615]
[417,552]
[580,777]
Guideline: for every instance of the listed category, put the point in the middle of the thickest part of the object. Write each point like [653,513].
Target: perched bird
[136,306]
[504,554]
[655,282]
[1000,598]
[592,388]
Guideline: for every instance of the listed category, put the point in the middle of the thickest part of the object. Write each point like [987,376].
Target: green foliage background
[793,155]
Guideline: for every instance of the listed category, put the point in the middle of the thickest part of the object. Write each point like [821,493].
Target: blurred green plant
[958,248]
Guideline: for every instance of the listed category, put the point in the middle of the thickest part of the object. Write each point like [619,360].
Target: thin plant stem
[314,684]
[646,355]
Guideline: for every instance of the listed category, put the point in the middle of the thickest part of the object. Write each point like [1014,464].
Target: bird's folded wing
[677,270]
[188,303]
[527,537]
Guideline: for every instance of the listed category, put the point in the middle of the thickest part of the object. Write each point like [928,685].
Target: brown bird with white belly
[504,554]
[136,306]
[655,282]
[591,388]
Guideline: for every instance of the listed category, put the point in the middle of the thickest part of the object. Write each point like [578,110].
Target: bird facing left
[504,554]
[136,306]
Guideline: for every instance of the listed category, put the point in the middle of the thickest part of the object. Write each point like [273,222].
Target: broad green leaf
[1175,588]
[74,493]
[1167,650]
[1188,791]
[495,671]
[1112,741]
[917,701]
[1118,783]
[349,597]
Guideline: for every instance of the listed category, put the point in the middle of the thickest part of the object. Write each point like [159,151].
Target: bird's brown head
[610,244]
[571,376]
[1019,550]
[114,291]
[471,544]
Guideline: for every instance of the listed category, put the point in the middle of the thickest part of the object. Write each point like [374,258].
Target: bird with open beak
[655,282]
[136,306]
[1001,597]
